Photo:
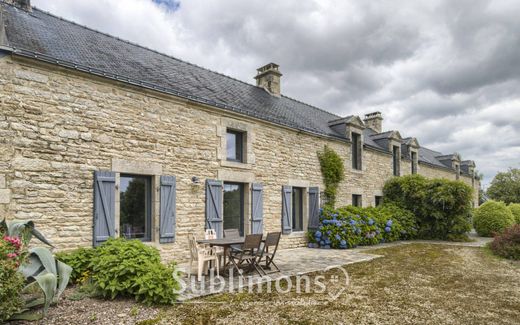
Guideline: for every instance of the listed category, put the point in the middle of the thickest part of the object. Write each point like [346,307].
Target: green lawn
[411,284]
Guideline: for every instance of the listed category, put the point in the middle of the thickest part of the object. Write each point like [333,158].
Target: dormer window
[235,145]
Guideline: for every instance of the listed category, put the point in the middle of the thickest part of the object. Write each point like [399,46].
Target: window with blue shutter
[257,209]
[314,208]
[167,209]
[286,209]
[104,206]
[214,204]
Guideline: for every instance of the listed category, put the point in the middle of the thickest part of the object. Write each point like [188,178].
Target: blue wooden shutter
[286,209]
[167,210]
[104,206]
[214,206]
[257,209]
[314,208]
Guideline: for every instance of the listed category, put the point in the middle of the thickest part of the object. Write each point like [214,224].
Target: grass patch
[410,284]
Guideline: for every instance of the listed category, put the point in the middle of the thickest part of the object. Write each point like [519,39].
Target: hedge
[442,207]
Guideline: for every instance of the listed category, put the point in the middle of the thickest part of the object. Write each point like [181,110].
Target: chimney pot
[268,77]
[374,121]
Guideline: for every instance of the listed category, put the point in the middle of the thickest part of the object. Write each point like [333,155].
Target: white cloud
[446,72]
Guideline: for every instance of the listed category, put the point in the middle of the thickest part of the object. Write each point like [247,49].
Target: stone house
[101,137]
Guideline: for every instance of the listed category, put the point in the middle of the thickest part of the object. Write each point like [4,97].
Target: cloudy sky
[446,72]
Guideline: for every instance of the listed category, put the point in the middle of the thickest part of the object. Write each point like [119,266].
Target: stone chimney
[268,77]
[22,4]
[374,121]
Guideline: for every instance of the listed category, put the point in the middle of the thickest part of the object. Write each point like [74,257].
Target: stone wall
[57,127]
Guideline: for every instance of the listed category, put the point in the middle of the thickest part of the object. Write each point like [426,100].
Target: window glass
[356,200]
[414,162]
[379,200]
[234,147]
[234,206]
[356,151]
[135,207]
[297,209]
[396,158]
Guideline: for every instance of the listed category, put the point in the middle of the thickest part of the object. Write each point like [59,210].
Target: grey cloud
[447,72]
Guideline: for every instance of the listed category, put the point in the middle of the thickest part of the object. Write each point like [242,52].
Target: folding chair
[269,251]
[248,253]
[232,233]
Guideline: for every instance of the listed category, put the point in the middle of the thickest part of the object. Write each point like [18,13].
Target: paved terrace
[303,260]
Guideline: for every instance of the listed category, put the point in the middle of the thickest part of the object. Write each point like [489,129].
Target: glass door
[234,206]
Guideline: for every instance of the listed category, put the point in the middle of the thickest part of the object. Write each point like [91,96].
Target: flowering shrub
[507,244]
[348,227]
[11,284]
[22,268]
[12,251]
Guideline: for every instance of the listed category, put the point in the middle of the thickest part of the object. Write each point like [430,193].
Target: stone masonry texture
[57,127]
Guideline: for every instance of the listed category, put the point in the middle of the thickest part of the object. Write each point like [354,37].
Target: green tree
[505,186]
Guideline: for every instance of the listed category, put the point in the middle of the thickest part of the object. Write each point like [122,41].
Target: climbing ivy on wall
[332,170]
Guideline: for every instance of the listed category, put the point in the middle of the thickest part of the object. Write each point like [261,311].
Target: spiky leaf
[46,259]
[47,282]
[64,272]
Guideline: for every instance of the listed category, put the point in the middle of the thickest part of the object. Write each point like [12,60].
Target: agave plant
[41,269]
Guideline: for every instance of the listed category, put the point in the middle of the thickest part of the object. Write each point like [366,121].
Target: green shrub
[404,217]
[442,207]
[157,285]
[492,217]
[507,244]
[351,226]
[382,217]
[11,285]
[123,267]
[80,261]
[515,210]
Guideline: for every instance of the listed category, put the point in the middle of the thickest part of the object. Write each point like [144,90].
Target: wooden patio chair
[269,251]
[248,254]
[232,233]
[203,254]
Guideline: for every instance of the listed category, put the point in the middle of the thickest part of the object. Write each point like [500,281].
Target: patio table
[226,243]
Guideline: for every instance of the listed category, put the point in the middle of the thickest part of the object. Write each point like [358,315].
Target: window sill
[235,164]
[299,233]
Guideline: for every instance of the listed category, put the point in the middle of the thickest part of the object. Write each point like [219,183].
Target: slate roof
[43,36]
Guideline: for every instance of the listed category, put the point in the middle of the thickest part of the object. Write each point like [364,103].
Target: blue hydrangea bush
[349,227]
